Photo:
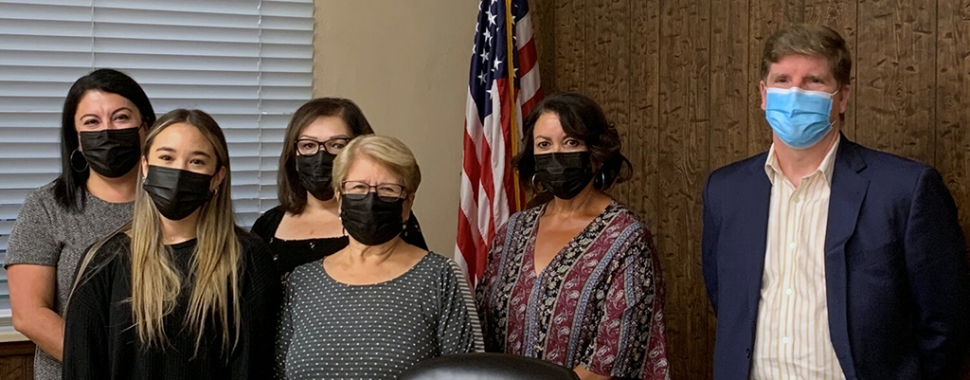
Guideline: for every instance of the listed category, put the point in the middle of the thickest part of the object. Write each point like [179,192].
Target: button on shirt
[792,340]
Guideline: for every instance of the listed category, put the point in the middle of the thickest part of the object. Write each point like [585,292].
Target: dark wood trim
[17,348]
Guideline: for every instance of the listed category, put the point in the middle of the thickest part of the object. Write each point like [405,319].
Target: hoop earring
[74,159]
[601,179]
[534,186]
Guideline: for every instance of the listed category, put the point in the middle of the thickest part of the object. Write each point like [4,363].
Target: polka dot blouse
[331,330]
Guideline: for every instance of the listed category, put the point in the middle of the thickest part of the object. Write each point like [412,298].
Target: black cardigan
[101,341]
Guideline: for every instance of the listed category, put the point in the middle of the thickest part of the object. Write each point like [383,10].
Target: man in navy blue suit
[824,259]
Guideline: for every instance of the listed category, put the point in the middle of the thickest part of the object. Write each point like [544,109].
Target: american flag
[490,191]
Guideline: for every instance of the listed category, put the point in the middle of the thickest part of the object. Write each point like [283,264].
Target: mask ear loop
[74,160]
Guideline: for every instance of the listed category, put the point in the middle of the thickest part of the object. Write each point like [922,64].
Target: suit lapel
[848,192]
[757,203]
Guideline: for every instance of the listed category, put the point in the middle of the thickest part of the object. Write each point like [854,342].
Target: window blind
[247,63]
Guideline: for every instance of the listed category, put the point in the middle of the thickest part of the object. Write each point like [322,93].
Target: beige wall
[405,63]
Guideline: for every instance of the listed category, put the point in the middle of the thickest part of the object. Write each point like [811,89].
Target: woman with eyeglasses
[379,305]
[305,226]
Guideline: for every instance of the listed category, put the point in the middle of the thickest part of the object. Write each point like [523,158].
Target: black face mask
[315,174]
[371,220]
[564,174]
[177,193]
[111,152]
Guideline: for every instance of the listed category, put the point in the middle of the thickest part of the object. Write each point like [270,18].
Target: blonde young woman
[182,292]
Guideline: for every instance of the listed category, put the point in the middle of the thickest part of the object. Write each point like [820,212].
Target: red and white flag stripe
[489,192]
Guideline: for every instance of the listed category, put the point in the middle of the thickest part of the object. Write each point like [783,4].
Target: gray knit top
[46,233]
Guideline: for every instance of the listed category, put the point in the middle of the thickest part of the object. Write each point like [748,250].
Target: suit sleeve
[711,231]
[939,279]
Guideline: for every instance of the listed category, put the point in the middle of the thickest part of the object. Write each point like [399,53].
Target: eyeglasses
[388,192]
[308,147]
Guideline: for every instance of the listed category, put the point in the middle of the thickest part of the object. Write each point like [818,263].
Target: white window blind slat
[32,105]
[17,88]
[159,46]
[5,227]
[19,165]
[114,16]
[216,8]
[46,43]
[46,59]
[65,75]
[85,4]
[248,64]
[23,135]
[176,62]
[177,33]
[80,11]
[61,28]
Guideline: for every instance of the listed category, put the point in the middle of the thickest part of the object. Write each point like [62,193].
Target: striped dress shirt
[792,340]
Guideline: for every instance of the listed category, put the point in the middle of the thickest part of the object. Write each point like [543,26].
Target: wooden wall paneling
[730,86]
[841,16]
[896,75]
[730,104]
[765,17]
[608,56]
[952,117]
[570,45]
[17,367]
[17,361]
[794,11]
[642,146]
[542,13]
[684,120]
[952,99]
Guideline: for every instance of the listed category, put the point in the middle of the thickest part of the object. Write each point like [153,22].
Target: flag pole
[514,127]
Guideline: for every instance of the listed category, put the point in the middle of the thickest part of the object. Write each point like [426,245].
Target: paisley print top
[599,303]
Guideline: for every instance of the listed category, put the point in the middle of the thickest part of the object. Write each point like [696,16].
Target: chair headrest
[487,366]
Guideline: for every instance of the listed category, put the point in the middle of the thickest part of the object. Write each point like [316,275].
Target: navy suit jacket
[896,275]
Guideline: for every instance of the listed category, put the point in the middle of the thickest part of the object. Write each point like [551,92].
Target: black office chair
[482,366]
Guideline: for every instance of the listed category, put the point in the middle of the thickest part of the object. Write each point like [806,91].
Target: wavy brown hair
[583,119]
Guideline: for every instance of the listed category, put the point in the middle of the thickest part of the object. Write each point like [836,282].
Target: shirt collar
[826,167]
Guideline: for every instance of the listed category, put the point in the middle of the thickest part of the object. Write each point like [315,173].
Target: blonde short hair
[386,151]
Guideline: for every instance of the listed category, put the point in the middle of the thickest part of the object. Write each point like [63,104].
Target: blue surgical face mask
[799,117]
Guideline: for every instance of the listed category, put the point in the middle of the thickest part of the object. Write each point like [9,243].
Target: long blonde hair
[215,264]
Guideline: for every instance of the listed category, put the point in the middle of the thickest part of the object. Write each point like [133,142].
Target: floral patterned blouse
[599,302]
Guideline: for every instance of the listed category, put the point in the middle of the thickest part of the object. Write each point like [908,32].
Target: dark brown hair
[69,188]
[583,119]
[291,193]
